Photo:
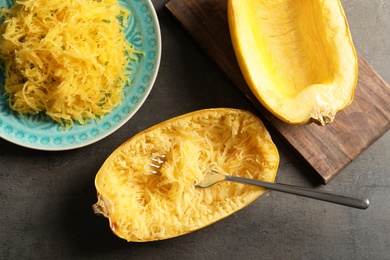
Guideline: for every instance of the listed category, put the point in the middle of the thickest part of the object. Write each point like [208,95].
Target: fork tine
[157,161]
[159,158]
[158,166]
[154,168]
[153,172]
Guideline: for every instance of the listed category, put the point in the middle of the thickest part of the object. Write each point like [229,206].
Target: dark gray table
[46,197]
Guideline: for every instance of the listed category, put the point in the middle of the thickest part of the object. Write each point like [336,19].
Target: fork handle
[305,192]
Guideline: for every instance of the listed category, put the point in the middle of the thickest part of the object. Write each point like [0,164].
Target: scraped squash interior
[142,206]
[297,56]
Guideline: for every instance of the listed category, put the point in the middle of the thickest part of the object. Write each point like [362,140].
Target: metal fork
[157,161]
[212,177]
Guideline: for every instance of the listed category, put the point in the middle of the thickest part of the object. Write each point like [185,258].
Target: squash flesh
[145,207]
[297,56]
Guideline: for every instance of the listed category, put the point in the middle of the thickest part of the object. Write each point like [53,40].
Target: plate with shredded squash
[73,72]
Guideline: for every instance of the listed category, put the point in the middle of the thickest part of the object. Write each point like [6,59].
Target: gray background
[46,197]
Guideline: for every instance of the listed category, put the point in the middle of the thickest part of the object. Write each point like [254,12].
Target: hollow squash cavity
[297,56]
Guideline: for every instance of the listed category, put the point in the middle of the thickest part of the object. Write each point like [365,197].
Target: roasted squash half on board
[297,56]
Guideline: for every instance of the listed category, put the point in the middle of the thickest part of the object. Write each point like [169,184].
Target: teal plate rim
[41,133]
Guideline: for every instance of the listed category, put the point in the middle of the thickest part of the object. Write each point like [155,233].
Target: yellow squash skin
[297,56]
[144,207]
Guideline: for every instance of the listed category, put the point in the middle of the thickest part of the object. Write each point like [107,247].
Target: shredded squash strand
[65,58]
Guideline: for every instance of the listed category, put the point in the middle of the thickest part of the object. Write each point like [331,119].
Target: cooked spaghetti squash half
[142,206]
[297,56]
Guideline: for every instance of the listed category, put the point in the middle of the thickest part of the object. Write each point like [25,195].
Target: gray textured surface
[46,197]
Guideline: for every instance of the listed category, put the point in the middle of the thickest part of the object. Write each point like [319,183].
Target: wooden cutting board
[326,150]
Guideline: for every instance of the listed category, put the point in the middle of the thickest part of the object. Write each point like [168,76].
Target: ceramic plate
[40,132]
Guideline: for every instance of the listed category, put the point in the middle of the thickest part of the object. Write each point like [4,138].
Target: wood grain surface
[325,149]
